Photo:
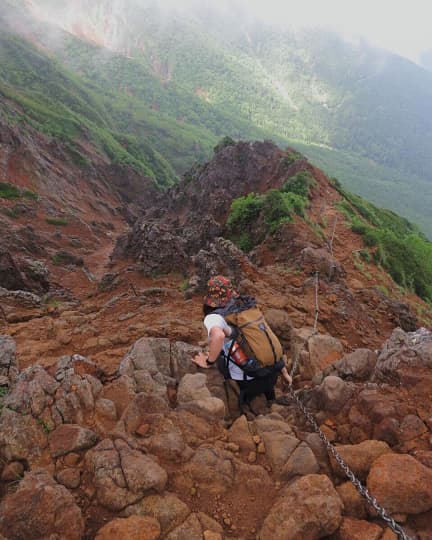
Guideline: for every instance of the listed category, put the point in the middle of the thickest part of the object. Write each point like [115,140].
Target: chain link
[371,500]
[316,303]
[348,472]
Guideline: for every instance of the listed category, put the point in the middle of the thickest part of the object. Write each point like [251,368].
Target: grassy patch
[12,192]
[3,392]
[253,216]
[396,244]
[9,191]
[57,221]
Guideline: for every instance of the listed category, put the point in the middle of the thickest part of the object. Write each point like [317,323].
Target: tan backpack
[255,336]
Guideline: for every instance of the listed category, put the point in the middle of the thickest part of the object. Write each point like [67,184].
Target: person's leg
[257,386]
[270,392]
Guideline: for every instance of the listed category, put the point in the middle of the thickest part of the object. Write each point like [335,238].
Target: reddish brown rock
[354,503]
[50,510]
[324,350]
[356,529]
[359,457]
[401,484]
[71,438]
[308,508]
[240,434]
[131,528]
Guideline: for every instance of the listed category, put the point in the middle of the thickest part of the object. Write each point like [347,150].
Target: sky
[397,25]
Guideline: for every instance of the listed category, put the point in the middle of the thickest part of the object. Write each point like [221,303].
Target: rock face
[308,508]
[10,275]
[163,241]
[401,484]
[50,510]
[150,447]
[404,351]
[123,475]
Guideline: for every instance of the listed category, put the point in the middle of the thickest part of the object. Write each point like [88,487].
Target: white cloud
[402,27]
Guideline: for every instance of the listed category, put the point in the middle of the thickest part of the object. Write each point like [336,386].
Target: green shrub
[56,221]
[276,210]
[371,237]
[299,184]
[56,260]
[3,393]
[9,191]
[244,210]
[27,194]
[296,203]
[359,226]
[365,254]
[245,242]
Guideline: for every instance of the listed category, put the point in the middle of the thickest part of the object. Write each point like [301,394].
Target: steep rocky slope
[110,426]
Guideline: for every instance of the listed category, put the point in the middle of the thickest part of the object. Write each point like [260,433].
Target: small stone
[212,535]
[70,478]
[143,430]
[261,448]
[71,459]
[227,521]
[232,447]
[328,432]
[256,439]
[252,457]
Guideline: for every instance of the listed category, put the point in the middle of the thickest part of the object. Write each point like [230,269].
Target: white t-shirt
[215,320]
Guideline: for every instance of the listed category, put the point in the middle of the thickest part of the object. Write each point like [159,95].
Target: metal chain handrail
[371,500]
[316,303]
[348,472]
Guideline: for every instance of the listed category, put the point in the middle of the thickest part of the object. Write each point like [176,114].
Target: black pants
[255,387]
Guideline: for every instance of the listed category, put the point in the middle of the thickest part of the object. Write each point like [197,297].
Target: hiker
[247,352]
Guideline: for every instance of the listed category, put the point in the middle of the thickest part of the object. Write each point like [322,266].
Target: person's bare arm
[286,375]
[216,341]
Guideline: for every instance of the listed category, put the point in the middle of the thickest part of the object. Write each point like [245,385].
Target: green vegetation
[245,210]
[45,427]
[62,222]
[395,244]
[253,216]
[9,191]
[300,184]
[3,393]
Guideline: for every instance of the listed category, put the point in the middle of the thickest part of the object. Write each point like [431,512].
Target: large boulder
[122,475]
[40,508]
[359,457]
[401,484]
[308,508]
[132,528]
[193,395]
[404,354]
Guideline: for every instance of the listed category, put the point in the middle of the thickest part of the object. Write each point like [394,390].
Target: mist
[402,28]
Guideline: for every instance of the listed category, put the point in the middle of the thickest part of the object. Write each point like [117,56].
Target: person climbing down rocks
[240,342]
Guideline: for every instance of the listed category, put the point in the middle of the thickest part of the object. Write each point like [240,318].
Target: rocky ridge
[110,426]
